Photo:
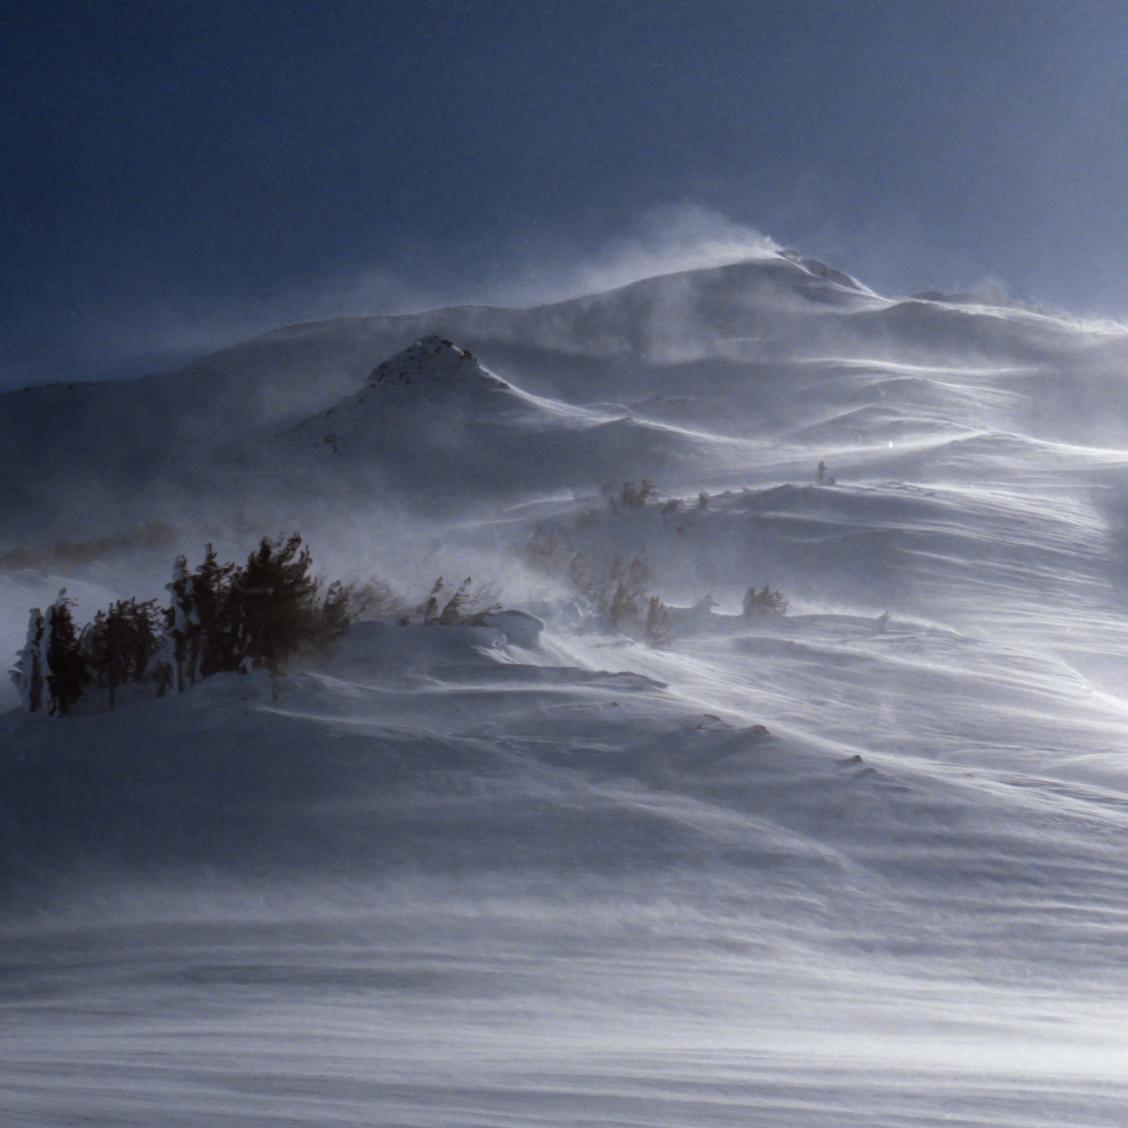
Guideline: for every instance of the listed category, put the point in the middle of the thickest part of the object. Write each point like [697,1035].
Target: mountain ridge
[730,339]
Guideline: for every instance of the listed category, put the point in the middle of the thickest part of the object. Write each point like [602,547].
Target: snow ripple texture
[830,869]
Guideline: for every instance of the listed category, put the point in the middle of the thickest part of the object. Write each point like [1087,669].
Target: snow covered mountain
[856,865]
[738,351]
[432,422]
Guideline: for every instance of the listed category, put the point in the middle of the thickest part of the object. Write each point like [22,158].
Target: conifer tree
[28,673]
[657,622]
[219,618]
[430,609]
[766,601]
[144,640]
[336,612]
[213,648]
[467,607]
[65,665]
[181,624]
[582,572]
[95,649]
[629,588]
[273,603]
[120,643]
[111,648]
[451,612]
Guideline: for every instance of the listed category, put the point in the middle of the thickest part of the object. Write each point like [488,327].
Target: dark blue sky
[180,174]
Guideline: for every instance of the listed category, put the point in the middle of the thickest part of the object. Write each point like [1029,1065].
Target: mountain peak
[819,269]
[432,358]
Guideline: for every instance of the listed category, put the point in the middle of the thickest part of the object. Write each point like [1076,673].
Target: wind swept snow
[861,864]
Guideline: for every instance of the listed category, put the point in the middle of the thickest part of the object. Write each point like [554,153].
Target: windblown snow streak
[838,868]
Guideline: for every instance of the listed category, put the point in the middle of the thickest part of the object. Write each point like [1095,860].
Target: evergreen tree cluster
[628,593]
[463,607]
[220,617]
[619,595]
[50,669]
[622,496]
[619,592]
[616,590]
[119,644]
[766,601]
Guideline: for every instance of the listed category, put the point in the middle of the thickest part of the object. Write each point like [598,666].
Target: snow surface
[820,870]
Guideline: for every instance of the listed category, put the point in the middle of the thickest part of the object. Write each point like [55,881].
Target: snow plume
[134,334]
[662,240]
[530,268]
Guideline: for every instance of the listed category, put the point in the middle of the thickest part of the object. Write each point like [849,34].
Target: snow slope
[739,349]
[432,422]
[821,870]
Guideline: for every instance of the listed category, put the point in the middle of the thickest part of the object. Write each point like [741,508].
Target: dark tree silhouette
[766,601]
[65,664]
[28,674]
[272,604]
[429,612]
[221,617]
[213,645]
[657,622]
[120,643]
[337,612]
[629,588]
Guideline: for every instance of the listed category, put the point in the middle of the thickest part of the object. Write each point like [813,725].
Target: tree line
[616,590]
[219,617]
